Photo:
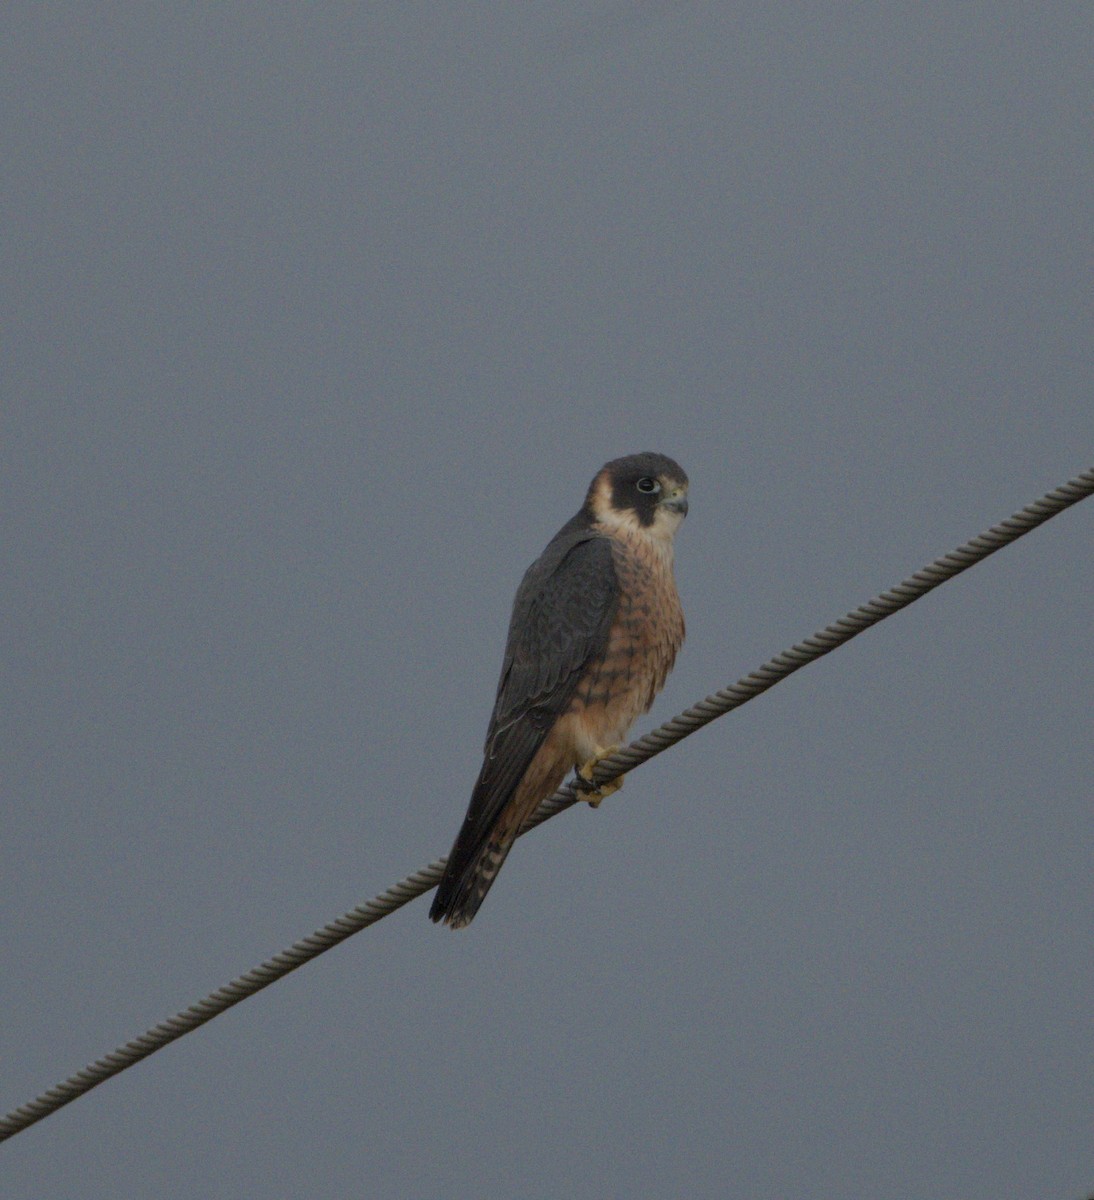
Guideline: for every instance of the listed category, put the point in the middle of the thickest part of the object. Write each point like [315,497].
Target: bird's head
[642,493]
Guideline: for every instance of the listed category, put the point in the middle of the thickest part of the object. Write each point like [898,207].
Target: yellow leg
[593,792]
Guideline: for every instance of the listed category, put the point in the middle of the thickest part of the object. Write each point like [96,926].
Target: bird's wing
[561,618]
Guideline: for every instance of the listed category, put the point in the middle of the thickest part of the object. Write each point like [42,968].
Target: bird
[595,629]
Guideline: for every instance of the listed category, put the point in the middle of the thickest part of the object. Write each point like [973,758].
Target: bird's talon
[584,787]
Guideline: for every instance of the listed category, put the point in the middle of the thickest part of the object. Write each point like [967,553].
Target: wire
[644,748]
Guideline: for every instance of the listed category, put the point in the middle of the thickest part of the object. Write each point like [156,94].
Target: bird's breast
[642,644]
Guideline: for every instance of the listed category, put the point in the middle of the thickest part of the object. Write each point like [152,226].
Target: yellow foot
[593,792]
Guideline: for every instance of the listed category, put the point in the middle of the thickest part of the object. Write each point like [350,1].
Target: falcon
[595,629]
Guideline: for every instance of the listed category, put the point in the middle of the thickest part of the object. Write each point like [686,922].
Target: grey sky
[317,322]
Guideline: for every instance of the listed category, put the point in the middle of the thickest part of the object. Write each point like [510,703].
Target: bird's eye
[647,485]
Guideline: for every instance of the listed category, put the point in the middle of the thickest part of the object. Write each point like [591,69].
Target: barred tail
[468,877]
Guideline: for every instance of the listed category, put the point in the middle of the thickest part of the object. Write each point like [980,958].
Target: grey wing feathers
[561,618]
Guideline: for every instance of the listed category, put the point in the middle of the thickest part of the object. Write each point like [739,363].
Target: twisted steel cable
[644,748]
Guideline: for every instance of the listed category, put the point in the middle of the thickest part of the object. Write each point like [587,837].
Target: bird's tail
[470,873]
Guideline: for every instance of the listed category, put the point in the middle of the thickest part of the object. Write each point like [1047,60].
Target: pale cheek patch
[611,519]
[625,522]
[665,524]
[605,514]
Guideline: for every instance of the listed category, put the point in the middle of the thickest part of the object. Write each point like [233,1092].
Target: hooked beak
[676,502]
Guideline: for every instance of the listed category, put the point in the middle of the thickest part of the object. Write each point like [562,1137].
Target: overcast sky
[317,320]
